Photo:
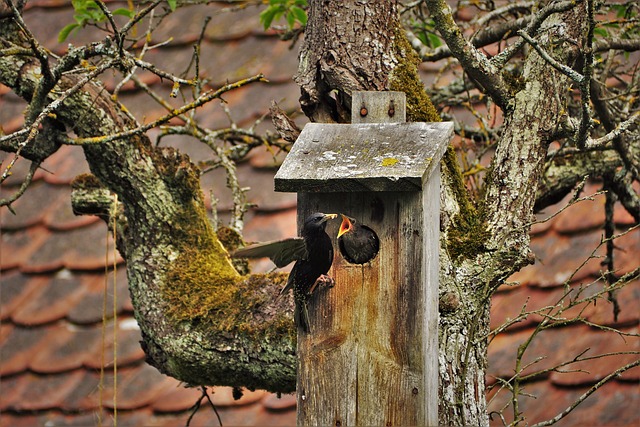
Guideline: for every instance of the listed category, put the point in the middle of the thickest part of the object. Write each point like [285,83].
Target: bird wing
[281,252]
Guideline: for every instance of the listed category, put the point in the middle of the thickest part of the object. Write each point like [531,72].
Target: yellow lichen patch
[389,161]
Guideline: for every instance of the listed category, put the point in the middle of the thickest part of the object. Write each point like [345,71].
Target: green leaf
[422,36]
[620,9]
[291,19]
[266,17]
[124,12]
[434,41]
[172,4]
[64,33]
[300,14]
[600,32]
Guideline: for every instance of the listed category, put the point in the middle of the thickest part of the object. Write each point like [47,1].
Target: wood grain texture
[363,157]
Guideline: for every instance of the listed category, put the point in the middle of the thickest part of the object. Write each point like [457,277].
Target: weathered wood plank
[378,107]
[363,157]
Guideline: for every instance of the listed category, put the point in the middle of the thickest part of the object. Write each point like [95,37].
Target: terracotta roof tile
[17,384]
[263,158]
[90,308]
[128,347]
[65,350]
[544,401]
[60,216]
[272,226]
[560,345]
[18,246]
[137,387]
[64,165]
[204,417]
[592,371]
[29,211]
[5,331]
[277,403]
[16,291]
[248,416]
[52,300]
[22,420]
[282,418]
[82,397]
[243,104]
[45,392]
[629,300]
[176,399]
[225,24]
[20,347]
[558,257]
[591,213]
[61,299]
[11,114]
[77,249]
[507,306]
[626,253]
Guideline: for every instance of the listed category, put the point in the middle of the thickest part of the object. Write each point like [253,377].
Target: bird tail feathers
[301,316]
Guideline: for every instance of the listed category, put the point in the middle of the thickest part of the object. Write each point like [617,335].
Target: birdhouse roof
[363,157]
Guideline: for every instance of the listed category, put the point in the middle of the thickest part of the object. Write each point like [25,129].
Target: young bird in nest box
[358,243]
[313,254]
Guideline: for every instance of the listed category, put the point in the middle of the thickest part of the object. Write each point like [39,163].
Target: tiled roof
[561,246]
[52,301]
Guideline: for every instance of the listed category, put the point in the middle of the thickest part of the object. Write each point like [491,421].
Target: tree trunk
[347,47]
[383,48]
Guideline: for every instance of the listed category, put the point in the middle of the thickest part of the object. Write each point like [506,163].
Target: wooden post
[371,357]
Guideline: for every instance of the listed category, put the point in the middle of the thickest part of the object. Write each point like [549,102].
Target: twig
[25,184]
[206,97]
[116,34]
[196,406]
[588,393]
[567,71]
[610,136]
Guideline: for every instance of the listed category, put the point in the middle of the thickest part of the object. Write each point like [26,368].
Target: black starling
[358,244]
[313,253]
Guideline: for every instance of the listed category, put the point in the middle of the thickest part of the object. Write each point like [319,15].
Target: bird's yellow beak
[345,226]
[327,217]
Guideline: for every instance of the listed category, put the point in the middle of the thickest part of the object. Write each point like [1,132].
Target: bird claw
[323,281]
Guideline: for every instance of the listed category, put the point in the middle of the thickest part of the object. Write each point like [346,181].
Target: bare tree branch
[588,393]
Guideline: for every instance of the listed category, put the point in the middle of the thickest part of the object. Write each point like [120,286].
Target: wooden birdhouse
[371,357]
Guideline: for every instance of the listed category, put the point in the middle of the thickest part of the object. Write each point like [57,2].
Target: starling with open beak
[358,243]
[313,254]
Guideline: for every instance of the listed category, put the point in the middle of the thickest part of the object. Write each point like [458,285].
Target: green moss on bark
[405,78]
[202,284]
[468,233]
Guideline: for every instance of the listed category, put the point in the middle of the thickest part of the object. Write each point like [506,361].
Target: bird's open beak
[345,226]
